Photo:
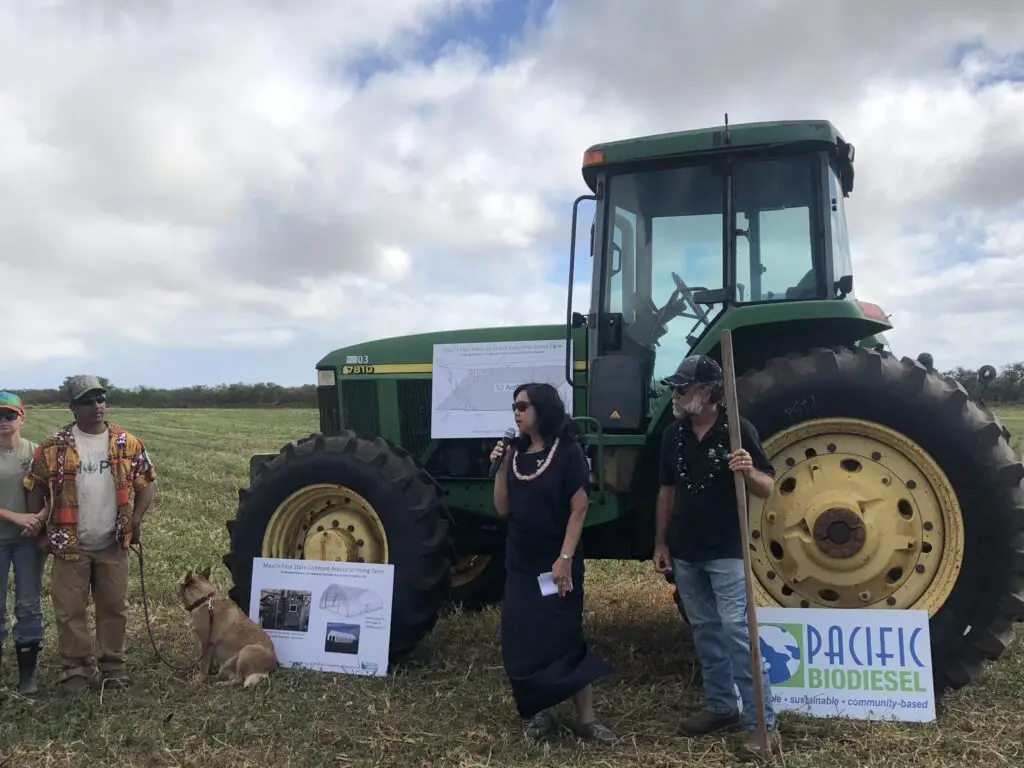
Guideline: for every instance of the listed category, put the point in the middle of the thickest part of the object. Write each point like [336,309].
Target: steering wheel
[681,298]
[683,290]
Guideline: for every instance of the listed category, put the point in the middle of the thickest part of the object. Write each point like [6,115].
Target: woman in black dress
[542,489]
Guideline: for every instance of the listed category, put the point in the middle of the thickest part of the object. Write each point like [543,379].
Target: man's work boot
[706,721]
[28,656]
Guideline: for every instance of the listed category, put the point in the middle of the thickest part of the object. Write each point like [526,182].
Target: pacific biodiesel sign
[865,664]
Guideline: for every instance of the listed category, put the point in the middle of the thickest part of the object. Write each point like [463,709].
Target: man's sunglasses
[6,415]
[520,406]
[98,399]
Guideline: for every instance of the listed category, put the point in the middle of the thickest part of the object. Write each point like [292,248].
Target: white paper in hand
[547,584]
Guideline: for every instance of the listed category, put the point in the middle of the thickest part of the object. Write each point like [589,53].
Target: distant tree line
[1007,388]
[261,395]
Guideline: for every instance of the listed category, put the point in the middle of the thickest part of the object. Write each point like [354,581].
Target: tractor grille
[414,414]
[359,399]
[330,416]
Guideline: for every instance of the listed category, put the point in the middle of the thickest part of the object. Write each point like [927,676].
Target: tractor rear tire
[975,623]
[401,494]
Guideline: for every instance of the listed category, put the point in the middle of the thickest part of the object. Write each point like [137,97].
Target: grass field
[450,705]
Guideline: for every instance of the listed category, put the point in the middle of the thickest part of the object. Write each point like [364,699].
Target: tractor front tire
[400,493]
[802,394]
[479,581]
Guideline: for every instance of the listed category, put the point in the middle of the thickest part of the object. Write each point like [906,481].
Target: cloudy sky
[196,192]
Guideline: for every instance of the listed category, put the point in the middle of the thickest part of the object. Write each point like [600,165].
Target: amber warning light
[593,157]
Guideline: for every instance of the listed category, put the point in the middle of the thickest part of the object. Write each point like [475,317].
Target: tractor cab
[691,226]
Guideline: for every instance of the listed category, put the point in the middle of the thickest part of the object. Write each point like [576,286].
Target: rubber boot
[27,679]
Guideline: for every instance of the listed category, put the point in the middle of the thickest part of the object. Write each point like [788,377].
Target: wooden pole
[735,443]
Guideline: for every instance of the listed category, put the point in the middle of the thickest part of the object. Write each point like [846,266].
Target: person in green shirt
[18,544]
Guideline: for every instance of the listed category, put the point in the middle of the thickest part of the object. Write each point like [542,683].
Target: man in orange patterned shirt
[99,479]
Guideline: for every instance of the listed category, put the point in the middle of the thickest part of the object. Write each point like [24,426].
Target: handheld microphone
[509,436]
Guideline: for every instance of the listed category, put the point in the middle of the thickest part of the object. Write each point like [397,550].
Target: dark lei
[717,440]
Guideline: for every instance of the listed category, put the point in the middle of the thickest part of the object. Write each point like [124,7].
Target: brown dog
[227,637]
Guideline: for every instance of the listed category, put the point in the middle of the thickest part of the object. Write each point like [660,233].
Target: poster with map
[473,384]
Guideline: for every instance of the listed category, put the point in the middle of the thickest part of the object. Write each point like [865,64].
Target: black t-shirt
[539,509]
[705,522]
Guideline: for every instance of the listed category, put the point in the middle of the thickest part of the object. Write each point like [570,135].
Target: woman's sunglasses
[520,406]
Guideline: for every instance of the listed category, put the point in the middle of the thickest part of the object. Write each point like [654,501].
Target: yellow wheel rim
[859,517]
[467,568]
[326,522]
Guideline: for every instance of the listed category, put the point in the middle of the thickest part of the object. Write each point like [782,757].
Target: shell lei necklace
[540,470]
[717,440]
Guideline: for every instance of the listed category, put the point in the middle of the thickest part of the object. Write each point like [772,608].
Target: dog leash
[137,548]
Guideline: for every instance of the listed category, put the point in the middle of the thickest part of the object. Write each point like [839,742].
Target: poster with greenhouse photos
[331,617]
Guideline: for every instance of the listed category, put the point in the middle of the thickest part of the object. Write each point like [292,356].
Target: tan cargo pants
[105,574]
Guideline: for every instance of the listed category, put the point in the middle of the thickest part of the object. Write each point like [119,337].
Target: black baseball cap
[695,369]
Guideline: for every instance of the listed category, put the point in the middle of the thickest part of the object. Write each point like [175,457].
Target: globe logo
[780,652]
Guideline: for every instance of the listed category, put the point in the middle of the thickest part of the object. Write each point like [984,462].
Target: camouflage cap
[79,386]
[11,402]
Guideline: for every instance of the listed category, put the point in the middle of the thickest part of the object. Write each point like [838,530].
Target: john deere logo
[782,653]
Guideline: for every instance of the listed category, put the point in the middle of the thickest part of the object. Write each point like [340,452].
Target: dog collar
[200,601]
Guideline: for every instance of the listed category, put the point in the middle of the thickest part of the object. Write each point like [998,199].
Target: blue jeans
[714,596]
[28,564]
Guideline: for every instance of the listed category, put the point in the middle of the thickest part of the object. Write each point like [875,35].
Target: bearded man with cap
[99,480]
[18,548]
[698,540]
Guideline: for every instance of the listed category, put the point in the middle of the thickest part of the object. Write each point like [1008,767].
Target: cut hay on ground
[450,705]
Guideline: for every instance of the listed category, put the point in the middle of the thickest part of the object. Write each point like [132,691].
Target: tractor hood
[415,353]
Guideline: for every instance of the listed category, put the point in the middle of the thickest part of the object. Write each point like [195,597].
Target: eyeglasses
[8,415]
[97,400]
[521,406]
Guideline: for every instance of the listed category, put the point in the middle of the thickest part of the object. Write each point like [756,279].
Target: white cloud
[217,175]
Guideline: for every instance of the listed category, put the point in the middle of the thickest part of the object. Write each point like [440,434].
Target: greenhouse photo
[350,601]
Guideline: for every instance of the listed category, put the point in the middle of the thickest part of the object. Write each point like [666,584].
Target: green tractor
[896,488]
